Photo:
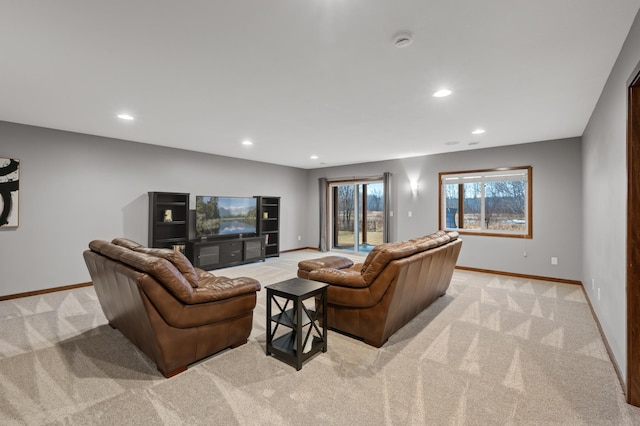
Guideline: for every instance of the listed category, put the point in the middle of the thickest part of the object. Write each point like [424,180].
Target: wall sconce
[414,187]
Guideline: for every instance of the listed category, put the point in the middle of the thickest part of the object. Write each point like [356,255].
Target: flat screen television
[216,216]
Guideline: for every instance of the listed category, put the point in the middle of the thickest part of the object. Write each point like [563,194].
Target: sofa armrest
[180,315]
[336,262]
[340,277]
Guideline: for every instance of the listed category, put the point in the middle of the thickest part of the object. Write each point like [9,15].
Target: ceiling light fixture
[247,142]
[125,117]
[478,131]
[314,157]
[402,39]
[442,93]
[474,143]
[452,143]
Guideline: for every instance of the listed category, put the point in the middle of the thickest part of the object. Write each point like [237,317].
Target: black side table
[304,338]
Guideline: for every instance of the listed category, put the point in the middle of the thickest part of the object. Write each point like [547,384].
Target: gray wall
[75,188]
[605,200]
[557,223]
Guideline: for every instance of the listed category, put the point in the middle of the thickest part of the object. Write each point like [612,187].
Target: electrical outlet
[524,254]
[391,213]
[554,260]
[410,214]
[299,237]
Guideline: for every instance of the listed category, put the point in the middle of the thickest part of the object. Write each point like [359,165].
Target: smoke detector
[402,39]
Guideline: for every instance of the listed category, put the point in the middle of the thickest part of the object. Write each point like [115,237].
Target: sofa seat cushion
[202,274]
[214,288]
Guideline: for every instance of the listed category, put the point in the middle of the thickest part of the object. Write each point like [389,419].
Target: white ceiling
[310,77]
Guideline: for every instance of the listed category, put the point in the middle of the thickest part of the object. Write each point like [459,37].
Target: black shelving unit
[164,233]
[269,224]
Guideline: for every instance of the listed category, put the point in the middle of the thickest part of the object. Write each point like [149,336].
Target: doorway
[633,245]
[357,218]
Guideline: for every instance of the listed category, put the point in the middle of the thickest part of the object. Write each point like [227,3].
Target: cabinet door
[253,249]
[208,256]
[231,252]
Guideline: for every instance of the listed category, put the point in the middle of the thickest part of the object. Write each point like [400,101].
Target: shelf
[172,240]
[163,234]
[288,318]
[269,226]
[170,203]
[287,344]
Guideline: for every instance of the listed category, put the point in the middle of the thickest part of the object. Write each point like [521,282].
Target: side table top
[297,286]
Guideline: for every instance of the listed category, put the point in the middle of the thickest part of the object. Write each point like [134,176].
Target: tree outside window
[491,202]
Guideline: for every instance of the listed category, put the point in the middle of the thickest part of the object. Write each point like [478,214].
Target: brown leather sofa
[397,281]
[175,313]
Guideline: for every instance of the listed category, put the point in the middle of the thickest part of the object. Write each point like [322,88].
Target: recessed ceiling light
[442,93]
[125,117]
[452,143]
[314,157]
[247,142]
[474,143]
[478,131]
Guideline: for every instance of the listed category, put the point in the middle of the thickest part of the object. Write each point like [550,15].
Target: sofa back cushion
[384,255]
[439,237]
[374,252]
[125,242]
[380,256]
[161,269]
[178,260]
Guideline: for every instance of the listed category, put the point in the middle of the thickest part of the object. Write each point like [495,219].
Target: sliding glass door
[357,215]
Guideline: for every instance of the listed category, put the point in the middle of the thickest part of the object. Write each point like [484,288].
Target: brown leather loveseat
[397,281]
[175,313]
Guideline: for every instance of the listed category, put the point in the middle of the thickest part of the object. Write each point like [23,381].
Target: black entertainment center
[217,253]
[229,230]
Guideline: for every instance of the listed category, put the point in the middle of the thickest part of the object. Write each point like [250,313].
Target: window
[487,202]
[358,214]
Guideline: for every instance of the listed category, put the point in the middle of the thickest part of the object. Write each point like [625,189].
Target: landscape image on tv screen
[225,215]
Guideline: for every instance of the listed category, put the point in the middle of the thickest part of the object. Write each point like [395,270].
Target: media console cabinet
[219,253]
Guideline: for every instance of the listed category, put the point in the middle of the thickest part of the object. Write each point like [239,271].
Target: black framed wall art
[9,192]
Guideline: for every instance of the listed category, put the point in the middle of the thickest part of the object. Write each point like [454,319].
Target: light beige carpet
[494,350]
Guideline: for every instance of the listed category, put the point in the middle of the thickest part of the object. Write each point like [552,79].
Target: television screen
[225,215]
